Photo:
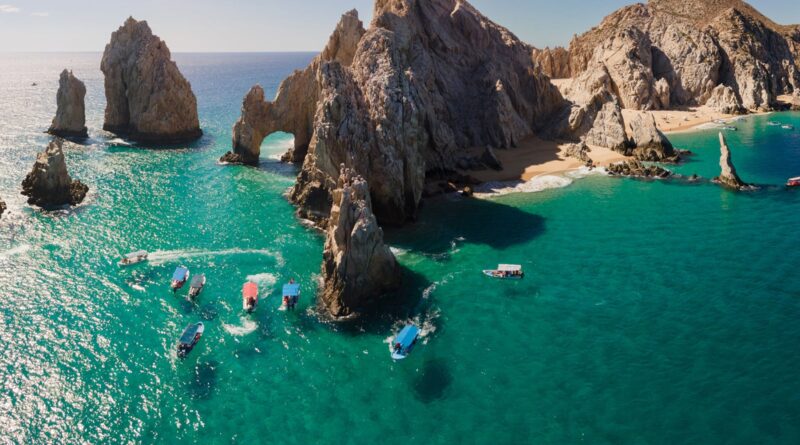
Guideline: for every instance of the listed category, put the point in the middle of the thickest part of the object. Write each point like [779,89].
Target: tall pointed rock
[70,119]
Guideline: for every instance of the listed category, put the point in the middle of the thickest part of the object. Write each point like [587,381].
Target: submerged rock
[49,184]
[426,82]
[70,119]
[357,267]
[728,176]
[635,168]
[650,142]
[147,98]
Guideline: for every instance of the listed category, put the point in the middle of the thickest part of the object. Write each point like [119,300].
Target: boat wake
[263,280]
[162,256]
[248,326]
[14,251]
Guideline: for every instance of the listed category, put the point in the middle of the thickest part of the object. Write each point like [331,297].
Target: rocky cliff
[397,101]
[147,98]
[70,119]
[553,62]
[693,47]
[357,267]
[728,176]
[49,184]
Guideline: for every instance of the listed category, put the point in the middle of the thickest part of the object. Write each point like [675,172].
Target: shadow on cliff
[446,221]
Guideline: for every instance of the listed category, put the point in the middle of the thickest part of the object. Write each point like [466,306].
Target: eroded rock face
[724,100]
[627,56]
[650,144]
[426,80]
[70,119]
[49,184]
[147,98]
[728,176]
[554,62]
[357,267]
[695,47]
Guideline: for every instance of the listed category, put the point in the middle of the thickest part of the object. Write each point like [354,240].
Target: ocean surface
[652,312]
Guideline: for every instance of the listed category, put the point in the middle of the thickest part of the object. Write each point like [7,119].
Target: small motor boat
[291,293]
[191,335]
[249,296]
[179,278]
[197,285]
[133,258]
[787,127]
[404,342]
[730,128]
[506,272]
[793,182]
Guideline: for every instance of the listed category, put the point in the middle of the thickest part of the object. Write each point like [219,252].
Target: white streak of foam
[248,326]
[537,184]
[162,256]
[15,251]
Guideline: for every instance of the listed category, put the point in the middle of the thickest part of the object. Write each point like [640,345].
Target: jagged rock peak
[427,80]
[49,184]
[343,42]
[728,176]
[147,98]
[70,119]
[357,267]
[553,62]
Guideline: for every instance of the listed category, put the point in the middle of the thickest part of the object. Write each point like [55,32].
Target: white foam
[137,287]
[118,141]
[162,256]
[397,251]
[537,184]
[263,279]
[18,250]
[248,326]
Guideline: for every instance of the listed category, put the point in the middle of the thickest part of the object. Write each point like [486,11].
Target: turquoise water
[651,312]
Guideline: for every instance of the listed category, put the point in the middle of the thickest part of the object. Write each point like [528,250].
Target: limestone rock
[70,119]
[650,142]
[627,56]
[662,93]
[728,177]
[637,169]
[724,100]
[554,62]
[578,151]
[147,98]
[427,79]
[49,184]
[357,268]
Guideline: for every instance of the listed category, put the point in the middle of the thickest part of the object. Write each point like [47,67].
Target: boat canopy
[197,281]
[250,290]
[509,268]
[407,335]
[137,254]
[189,333]
[180,274]
[291,290]
[795,179]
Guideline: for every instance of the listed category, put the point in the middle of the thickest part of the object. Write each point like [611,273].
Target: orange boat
[793,182]
[249,296]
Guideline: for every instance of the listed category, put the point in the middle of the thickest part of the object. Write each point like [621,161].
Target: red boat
[793,182]
[249,296]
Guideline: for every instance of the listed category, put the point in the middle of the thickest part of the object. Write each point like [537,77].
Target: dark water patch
[432,382]
[208,311]
[204,379]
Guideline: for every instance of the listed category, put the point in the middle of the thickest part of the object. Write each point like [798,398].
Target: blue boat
[404,342]
[291,293]
[191,335]
[179,278]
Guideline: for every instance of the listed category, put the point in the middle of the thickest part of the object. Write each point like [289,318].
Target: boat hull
[496,274]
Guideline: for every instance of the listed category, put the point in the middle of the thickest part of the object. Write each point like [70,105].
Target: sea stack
[49,184]
[650,142]
[728,177]
[70,119]
[357,267]
[427,81]
[147,98]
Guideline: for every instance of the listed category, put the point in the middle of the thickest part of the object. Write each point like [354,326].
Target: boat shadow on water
[204,381]
[432,381]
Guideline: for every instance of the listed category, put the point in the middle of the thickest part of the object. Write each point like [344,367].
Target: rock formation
[553,62]
[70,119]
[693,47]
[637,169]
[399,101]
[728,177]
[723,99]
[2,207]
[147,98]
[650,144]
[49,184]
[357,268]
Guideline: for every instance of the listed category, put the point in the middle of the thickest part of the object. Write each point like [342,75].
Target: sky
[278,25]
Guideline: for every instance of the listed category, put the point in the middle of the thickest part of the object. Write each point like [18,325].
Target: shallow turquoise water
[651,312]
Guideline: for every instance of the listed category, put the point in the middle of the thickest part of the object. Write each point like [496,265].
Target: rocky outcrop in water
[637,169]
[728,176]
[427,80]
[147,98]
[357,267]
[49,184]
[650,144]
[70,119]
[693,47]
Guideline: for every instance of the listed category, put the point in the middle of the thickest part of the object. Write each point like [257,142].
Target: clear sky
[278,25]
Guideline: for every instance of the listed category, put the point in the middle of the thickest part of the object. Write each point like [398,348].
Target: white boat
[773,124]
[133,258]
[506,272]
[787,127]
[730,128]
